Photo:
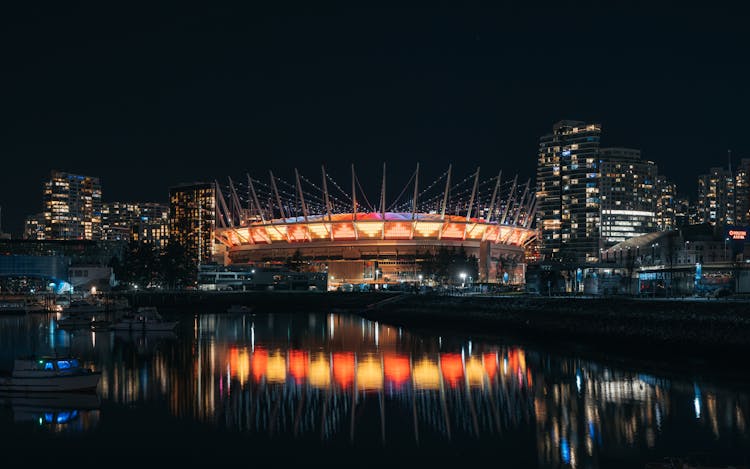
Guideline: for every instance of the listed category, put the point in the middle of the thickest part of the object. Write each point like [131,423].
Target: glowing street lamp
[463,278]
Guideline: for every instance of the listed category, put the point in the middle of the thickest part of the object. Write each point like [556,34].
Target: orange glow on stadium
[341,234]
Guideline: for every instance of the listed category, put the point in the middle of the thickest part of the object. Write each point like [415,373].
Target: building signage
[736,237]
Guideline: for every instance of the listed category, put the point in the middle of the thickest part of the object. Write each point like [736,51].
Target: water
[337,389]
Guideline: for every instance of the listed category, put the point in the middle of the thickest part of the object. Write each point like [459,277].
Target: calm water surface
[317,388]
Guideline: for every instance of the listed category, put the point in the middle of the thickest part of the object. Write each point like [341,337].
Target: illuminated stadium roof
[492,210]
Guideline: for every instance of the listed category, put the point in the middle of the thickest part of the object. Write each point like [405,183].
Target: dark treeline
[447,265]
[145,266]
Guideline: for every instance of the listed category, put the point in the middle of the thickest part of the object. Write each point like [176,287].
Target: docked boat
[239,309]
[76,320]
[144,319]
[84,307]
[12,307]
[45,374]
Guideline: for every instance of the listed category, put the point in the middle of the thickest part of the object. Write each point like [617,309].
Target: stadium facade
[343,234]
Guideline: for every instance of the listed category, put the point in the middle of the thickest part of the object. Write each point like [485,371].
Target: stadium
[271,222]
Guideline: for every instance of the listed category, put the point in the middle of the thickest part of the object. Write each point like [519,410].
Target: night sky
[150,96]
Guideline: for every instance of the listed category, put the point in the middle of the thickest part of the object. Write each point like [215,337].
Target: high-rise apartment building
[145,222]
[72,207]
[567,192]
[117,218]
[666,204]
[628,195]
[716,197]
[152,225]
[34,227]
[192,219]
[742,193]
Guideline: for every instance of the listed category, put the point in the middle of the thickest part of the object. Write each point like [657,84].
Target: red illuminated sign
[738,234]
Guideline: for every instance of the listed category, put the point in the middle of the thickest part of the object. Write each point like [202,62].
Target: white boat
[49,374]
[239,309]
[146,318]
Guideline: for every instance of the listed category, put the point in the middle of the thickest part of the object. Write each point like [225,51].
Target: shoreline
[677,328]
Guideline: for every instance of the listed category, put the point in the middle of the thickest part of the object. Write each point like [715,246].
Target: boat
[84,307]
[12,307]
[48,374]
[239,309]
[146,318]
[75,320]
[100,325]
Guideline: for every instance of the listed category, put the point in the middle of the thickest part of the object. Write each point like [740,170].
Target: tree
[177,269]
[139,266]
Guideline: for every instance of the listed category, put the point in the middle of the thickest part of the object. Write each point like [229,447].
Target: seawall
[691,328]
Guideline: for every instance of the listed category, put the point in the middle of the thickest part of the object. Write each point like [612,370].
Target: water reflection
[52,411]
[341,378]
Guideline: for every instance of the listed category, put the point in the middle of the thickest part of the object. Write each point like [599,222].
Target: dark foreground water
[320,390]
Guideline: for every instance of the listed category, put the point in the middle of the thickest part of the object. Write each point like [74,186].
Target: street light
[463,278]
[725,249]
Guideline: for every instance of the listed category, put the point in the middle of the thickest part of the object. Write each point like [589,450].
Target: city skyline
[184,95]
[16,227]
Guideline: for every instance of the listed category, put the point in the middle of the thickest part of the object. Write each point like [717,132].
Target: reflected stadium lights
[369,374]
[298,365]
[426,375]
[452,367]
[343,368]
[276,368]
[259,362]
[396,369]
[319,375]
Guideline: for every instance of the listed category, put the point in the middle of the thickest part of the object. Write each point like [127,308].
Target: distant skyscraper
[34,227]
[567,192]
[117,218]
[666,204]
[628,195]
[686,213]
[152,225]
[145,222]
[192,218]
[72,206]
[742,192]
[716,197]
